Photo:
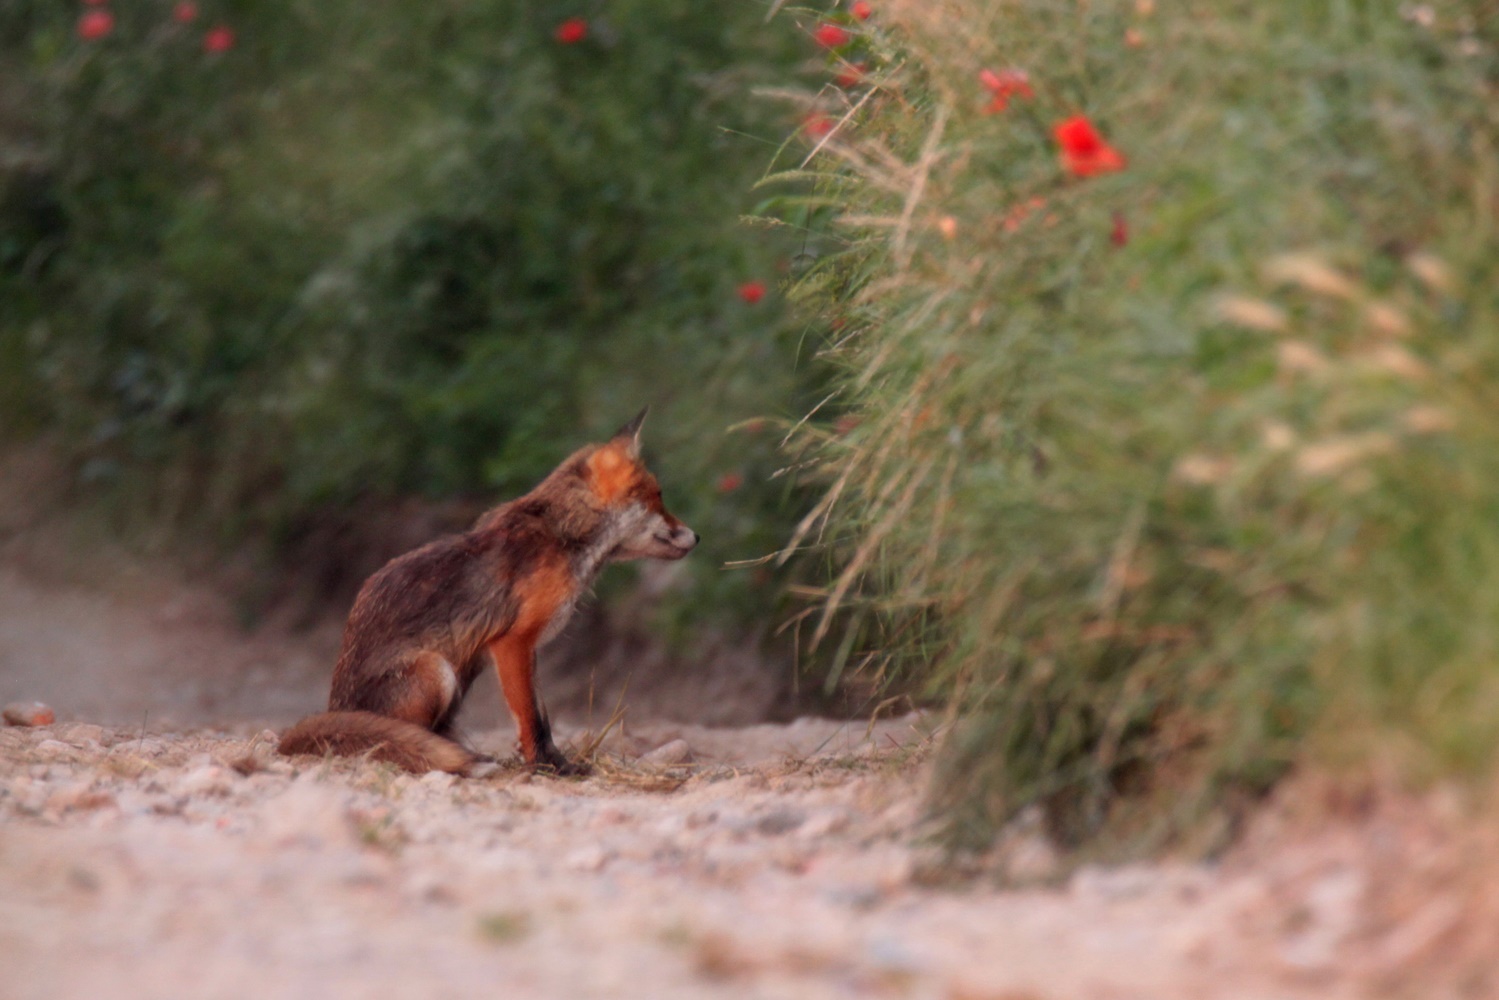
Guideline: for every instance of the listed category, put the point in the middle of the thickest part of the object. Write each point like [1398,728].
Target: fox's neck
[588,552]
[587,535]
[588,562]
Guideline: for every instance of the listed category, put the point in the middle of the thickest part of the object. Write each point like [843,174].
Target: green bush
[1175,474]
[379,249]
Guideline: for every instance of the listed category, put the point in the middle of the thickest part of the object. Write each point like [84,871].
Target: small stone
[55,750]
[1327,916]
[587,859]
[610,816]
[79,797]
[429,887]
[28,794]
[823,825]
[669,825]
[83,879]
[669,754]
[84,734]
[207,779]
[700,818]
[28,713]
[779,821]
[1114,884]
[149,746]
[855,897]
[892,955]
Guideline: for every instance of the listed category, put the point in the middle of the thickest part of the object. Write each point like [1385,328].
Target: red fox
[425,624]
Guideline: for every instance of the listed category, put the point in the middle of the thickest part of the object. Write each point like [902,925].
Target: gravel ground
[163,865]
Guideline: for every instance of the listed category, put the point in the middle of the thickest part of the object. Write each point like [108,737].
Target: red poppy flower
[1004,85]
[95,25]
[752,291]
[817,125]
[185,12]
[218,39]
[861,10]
[572,31]
[830,36]
[1084,151]
[851,75]
[1119,234]
[729,482]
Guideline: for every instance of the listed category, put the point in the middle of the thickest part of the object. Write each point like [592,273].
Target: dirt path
[201,866]
[152,867]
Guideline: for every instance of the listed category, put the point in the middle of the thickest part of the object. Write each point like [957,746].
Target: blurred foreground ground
[197,865]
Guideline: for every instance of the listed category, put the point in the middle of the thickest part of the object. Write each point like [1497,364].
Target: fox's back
[447,597]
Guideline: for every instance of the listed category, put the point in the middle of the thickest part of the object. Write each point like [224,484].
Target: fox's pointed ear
[629,434]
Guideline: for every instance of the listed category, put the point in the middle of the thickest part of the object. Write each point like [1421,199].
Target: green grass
[1162,519]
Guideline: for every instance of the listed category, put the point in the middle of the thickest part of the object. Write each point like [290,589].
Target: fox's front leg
[516,662]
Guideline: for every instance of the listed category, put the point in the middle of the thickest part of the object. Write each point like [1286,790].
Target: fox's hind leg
[422,690]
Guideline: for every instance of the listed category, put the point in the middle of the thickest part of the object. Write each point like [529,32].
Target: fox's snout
[681,540]
[656,534]
[649,532]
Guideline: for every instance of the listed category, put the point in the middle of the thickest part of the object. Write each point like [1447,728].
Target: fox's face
[638,525]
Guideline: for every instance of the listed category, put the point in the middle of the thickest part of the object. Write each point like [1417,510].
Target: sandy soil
[166,865]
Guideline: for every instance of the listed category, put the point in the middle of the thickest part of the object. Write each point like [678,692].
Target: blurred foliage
[369,250]
[1165,477]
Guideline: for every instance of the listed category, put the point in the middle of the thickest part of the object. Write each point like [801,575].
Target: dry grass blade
[918,186]
[810,414]
[872,539]
[820,510]
[592,741]
[837,127]
[617,770]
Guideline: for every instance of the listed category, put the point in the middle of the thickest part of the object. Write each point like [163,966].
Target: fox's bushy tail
[403,744]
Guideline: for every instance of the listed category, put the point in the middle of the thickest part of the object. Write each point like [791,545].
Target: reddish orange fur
[541,595]
[611,474]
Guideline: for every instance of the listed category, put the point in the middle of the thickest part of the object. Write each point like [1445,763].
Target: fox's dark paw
[559,766]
